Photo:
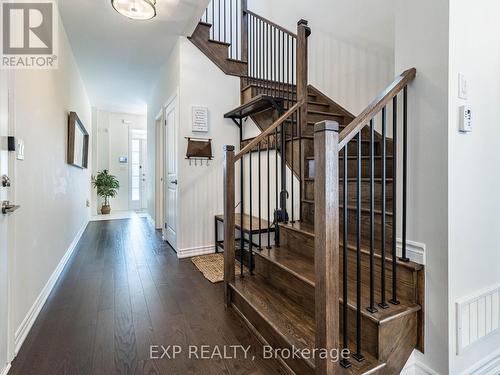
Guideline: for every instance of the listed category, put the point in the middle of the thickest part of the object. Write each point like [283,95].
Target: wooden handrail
[270,23]
[268,131]
[351,130]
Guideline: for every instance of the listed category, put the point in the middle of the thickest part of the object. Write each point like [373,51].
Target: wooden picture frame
[78,142]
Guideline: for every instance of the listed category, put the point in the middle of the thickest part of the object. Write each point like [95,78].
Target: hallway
[124,290]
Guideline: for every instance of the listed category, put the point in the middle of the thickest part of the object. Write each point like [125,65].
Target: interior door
[170,227]
[5,195]
[138,157]
[144,172]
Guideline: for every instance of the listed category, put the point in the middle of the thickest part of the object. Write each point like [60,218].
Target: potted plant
[107,187]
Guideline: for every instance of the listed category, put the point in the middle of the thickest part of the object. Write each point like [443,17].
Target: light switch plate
[465,119]
[462,86]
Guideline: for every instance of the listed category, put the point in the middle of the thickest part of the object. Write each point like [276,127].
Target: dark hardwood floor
[124,290]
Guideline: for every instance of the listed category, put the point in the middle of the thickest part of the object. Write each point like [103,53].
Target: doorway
[170,173]
[138,170]
[159,168]
[6,223]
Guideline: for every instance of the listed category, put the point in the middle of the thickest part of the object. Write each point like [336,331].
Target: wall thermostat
[465,119]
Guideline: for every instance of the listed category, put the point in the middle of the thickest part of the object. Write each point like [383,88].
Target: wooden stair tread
[308,230]
[294,323]
[303,268]
[258,104]
[315,112]
[219,42]
[246,222]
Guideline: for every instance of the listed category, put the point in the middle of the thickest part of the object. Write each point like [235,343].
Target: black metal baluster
[372,307]
[242,205]
[218,21]
[344,362]
[383,304]
[213,20]
[404,257]
[260,200]
[231,48]
[292,120]
[358,356]
[276,230]
[268,193]
[250,219]
[394,299]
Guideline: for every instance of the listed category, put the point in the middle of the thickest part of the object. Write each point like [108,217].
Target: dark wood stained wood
[326,244]
[122,291]
[257,104]
[229,222]
[281,323]
[217,52]
[376,106]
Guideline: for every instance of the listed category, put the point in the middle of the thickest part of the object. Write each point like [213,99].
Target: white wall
[113,140]
[52,194]
[474,172]
[200,188]
[351,48]
[422,42]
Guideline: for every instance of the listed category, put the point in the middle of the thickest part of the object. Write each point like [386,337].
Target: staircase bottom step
[281,323]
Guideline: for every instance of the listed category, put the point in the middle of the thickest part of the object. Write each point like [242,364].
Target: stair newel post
[244,31]
[229,224]
[326,244]
[303,32]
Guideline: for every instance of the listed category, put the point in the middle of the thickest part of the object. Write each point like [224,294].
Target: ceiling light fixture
[135,9]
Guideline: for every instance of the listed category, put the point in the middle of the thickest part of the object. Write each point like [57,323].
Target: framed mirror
[78,142]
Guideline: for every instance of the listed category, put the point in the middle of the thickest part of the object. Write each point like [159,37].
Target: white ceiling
[119,58]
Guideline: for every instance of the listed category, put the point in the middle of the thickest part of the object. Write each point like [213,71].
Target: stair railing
[266,201]
[229,25]
[329,145]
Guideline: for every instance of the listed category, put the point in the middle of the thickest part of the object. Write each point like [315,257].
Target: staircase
[330,276]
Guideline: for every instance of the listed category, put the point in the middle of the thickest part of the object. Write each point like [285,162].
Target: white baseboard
[416,367]
[29,320]
[6,369]
[487,366]
[414,250]
[195,251]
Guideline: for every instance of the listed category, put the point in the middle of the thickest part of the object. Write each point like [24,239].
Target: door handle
[174,182]
[8,208]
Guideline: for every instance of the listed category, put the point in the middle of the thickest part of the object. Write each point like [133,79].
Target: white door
[159,170]
[5,220]
[138,157]
[170,227]
[144,173]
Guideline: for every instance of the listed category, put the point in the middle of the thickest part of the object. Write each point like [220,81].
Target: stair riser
[351,193]
[352,168]
[302,293]
[297,242]
[288,284]
[268,333]
[316,106]
[308,214]
[407,285]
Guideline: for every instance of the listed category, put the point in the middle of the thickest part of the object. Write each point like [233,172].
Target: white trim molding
[414,250]
[489,365]
[6,369]
[27,323]
[415,367]
[478,317]
[195,251]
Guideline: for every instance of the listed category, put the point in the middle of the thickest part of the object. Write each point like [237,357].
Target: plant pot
[105,210]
